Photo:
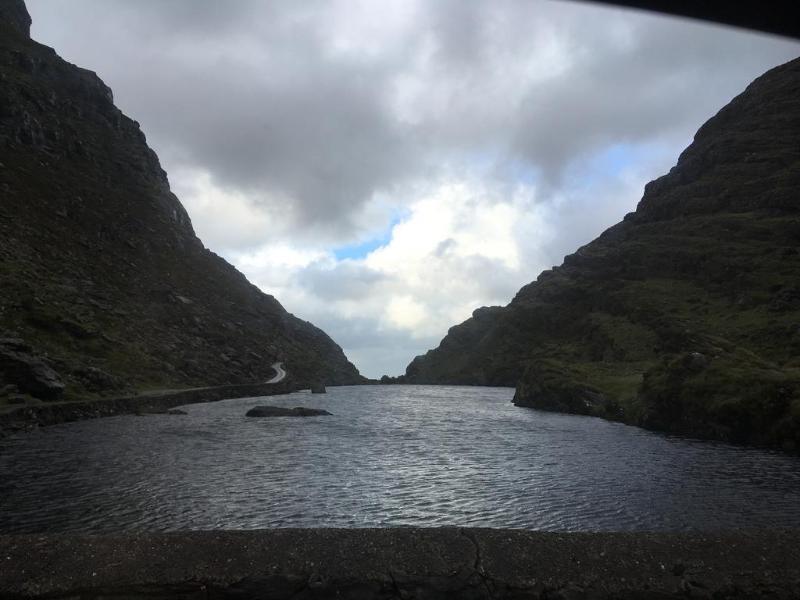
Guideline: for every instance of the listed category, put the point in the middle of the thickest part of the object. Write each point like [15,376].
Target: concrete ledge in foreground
[401,563]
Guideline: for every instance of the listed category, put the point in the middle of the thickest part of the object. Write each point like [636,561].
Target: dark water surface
[390,456]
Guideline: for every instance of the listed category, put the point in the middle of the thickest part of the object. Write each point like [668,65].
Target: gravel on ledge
[401,563]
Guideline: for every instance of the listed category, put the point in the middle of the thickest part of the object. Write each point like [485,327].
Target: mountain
[684,317]
[104,285]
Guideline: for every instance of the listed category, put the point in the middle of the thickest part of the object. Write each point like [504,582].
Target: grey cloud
[324,143]
[346,281]
[256,100]
[376,350]
[497,281]
[196,18]
[665,80]
[459,29]
[444,247]
[252,93]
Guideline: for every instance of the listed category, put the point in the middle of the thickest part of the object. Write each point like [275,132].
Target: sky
[385,167]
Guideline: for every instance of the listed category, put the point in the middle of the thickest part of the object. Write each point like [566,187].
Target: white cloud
[459,247]
[405,312]
[464,243]
[458,234]
[224,219]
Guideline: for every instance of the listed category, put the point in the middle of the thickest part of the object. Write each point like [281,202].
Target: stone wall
[50,414]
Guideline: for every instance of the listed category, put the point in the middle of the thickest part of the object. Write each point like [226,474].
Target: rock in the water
[278,411]
[176,411]
[318,388]
[19,366]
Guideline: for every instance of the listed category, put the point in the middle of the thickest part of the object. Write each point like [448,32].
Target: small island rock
[277,411]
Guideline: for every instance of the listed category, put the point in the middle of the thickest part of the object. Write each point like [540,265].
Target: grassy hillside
[100,270]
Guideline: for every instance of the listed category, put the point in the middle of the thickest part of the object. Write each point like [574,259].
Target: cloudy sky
[385,167]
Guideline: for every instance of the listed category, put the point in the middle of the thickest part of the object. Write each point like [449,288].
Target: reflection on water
[390,456]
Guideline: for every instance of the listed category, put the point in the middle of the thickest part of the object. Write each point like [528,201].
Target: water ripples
[390,456]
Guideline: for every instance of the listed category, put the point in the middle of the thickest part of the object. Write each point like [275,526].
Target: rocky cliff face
[101,274]
[684,317]
[14,15]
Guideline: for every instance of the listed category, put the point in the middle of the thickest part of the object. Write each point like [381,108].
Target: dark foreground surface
[401,563]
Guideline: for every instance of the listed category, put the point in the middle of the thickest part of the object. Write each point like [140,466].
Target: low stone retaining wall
[45,414]
[401,563]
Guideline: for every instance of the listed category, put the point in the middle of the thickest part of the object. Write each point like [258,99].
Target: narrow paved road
[279,373]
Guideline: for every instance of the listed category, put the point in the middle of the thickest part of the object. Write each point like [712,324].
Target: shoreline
[401,563]
[29,417]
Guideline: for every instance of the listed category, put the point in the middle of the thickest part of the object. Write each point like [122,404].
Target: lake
[389,456]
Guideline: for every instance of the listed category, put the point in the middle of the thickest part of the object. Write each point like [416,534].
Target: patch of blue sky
[616,158]
[362,248]
[520,172]
[610,162]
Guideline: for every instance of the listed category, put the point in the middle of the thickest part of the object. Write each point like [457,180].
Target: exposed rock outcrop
[685,316]
[28,373]
[14,17]
[100,268]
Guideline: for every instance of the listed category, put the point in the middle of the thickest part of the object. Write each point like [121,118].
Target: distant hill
[101,275]
[685,316]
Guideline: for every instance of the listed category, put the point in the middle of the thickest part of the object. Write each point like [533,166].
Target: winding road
[279,373]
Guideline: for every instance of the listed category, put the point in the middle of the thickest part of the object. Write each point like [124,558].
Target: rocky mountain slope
[685,316]
[103,283]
